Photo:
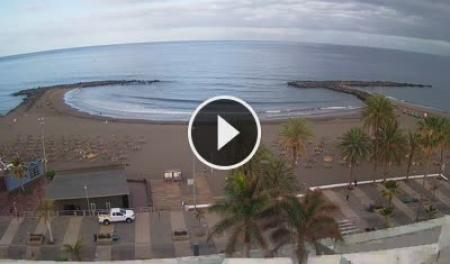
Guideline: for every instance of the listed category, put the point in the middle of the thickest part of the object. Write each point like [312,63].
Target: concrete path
[437,193]
[34,252]
[166,195]
[182,247]
[203,191]
[400,205]
[345,208]
[161,239]
[11,231]
[103,252]
[73,230]
[408,190]
[41,227]
[219,241]
[142,236]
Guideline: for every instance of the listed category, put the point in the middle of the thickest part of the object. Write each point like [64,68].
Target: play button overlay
[224,132]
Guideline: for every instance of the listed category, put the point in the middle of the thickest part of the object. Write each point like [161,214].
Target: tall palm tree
[442,127]
[378,111]
[19,169]
[254,167]
[294,135]
[392,145]
[355,147]
[430,139]
[413,146]
[306,221]
[241,211]
[46,209]
[277,178]
[74,251]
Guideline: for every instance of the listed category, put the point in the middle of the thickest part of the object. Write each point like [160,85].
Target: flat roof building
[100,189]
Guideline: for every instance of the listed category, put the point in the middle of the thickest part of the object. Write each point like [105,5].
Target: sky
[37,25]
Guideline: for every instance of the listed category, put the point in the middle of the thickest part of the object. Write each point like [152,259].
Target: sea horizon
[55,50]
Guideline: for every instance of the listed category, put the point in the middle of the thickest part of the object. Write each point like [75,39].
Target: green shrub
[51,174]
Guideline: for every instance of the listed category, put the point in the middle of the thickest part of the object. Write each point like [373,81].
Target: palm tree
[19,169]
[413,145]
[241,211]
[306,221]
[355,147]
[378,111]
[254,167]
[442,126]
[390,189]
[446,144]
[277,178]
[294,135]
[387,212]
[46,209]
[392,145]
[430,139]
[74,251]
[430,211]
[441,129]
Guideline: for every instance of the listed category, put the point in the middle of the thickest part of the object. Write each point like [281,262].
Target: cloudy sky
[35,25]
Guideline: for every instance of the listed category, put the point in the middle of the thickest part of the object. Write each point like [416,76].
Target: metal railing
[37,214]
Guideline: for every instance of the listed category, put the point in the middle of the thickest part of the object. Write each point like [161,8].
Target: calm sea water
[193,71]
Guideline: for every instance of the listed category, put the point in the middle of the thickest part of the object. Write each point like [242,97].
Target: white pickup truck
[117,215]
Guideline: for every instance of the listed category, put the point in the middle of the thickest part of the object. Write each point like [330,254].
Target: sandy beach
[77,140]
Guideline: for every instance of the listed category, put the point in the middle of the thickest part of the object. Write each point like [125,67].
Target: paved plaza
[151,235]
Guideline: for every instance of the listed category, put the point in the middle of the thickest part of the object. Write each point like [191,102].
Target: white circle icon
[224,132]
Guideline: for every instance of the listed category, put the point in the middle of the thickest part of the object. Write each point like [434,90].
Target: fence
[36,214]
[188,207]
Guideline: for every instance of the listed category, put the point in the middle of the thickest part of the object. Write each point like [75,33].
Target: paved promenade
[151,235]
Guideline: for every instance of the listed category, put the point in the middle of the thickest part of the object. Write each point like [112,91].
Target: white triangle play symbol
[225,132]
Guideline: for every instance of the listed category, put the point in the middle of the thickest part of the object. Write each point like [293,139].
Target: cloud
[407,24]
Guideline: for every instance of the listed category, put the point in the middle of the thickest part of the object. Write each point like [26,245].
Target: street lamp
[87,199]
[194,189]
[211,168]
[42,123]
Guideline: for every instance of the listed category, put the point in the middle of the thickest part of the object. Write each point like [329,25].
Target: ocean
[191,72]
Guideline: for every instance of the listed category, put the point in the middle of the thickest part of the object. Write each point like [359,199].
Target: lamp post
[211,170]
[42,123]
[194,188]
[87,198]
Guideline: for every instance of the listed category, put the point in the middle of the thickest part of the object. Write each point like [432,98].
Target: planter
[36,239]
[103,239]
[180,235]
